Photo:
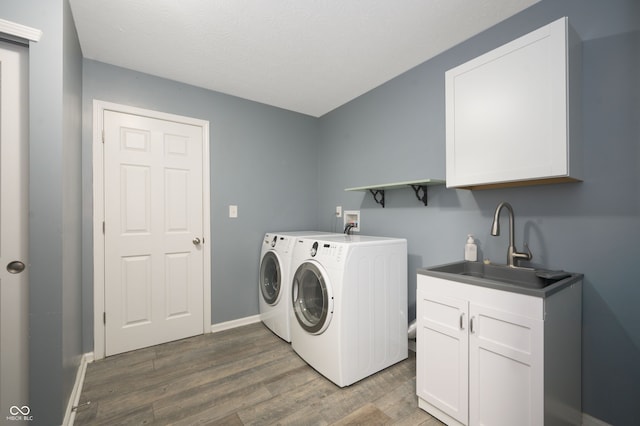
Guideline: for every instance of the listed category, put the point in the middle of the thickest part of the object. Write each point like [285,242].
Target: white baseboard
[74,398]
[588,420]
[234,323]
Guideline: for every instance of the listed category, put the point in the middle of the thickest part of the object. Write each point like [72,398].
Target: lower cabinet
[442,375]
[491,357]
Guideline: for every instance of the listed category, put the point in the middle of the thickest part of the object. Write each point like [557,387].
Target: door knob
[15,267]
[196,241]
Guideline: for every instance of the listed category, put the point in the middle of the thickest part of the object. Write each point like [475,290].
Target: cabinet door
[506,112]
[443,353]
[505,368]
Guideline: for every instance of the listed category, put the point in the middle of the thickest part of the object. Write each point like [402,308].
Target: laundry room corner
[254,150]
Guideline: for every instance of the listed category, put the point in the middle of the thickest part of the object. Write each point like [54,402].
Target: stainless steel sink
[522,277]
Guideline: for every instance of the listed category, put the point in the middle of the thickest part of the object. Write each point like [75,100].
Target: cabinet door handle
[462,321]
[471,325]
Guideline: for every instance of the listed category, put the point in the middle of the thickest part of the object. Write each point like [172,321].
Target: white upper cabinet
[513,114]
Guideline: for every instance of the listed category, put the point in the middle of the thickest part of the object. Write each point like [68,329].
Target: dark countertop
[440,271]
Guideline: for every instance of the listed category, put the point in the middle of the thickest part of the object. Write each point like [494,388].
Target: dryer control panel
[330,250]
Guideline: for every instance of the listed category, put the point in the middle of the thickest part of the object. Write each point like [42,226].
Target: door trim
[98,213]
[20,31]
[14,212]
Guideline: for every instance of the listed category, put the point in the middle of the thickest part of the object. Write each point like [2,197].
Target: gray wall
[288,171]
[263,159]
[397,132]
[55,204]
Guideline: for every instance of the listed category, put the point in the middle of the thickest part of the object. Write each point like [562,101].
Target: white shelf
[419,186]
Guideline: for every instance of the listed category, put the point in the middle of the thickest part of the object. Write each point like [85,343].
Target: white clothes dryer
[274,292]
[349,300]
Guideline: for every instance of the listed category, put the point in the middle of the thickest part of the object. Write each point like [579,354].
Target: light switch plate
[233,211]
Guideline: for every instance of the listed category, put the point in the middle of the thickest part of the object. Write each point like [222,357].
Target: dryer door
[312,298]
[270,278]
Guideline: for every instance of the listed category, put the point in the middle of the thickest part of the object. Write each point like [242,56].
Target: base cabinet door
[442,374]
[505,368]
[480,354]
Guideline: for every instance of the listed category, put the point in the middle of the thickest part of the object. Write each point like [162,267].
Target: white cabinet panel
[505,369]
[511,113]
[442,374]
[492,357]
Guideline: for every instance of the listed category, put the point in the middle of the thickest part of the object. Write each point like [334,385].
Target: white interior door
[153,210]
[14,281]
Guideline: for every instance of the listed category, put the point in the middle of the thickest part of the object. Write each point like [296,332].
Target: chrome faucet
[513,256]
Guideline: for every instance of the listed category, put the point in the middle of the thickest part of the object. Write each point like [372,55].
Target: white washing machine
[274,292]
[349,299]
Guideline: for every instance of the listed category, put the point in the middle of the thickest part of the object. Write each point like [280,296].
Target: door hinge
[104,318]
[103,227]
[102,135]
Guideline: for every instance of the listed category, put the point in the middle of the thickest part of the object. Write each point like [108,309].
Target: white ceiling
[309,56]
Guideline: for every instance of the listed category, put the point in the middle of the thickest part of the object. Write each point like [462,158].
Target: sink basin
[521,277]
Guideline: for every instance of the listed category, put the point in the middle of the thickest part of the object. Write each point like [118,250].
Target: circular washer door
[312,298]
[270,278]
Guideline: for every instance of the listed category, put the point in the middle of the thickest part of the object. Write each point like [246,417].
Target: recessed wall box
[352,217]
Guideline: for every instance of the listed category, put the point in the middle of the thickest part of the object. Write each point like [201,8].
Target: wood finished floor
[244,376]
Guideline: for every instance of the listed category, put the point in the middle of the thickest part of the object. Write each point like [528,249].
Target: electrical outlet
[338,211]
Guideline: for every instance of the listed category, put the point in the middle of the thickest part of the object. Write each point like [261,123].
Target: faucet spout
[513,256]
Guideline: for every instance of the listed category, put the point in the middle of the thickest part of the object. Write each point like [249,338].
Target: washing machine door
[312,298]
[270,278]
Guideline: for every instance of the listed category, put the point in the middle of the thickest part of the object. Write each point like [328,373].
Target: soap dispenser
[470,249]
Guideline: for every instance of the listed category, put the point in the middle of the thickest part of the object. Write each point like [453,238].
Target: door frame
[98,214]
[14,209]
[17,32]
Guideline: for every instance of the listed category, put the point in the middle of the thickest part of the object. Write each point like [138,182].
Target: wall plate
[352,216]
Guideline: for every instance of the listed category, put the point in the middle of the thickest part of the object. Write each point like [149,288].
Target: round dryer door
[312,298]
[270,278]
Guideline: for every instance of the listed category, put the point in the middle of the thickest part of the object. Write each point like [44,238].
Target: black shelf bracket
[418,186]
[421,192]
[378,196]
